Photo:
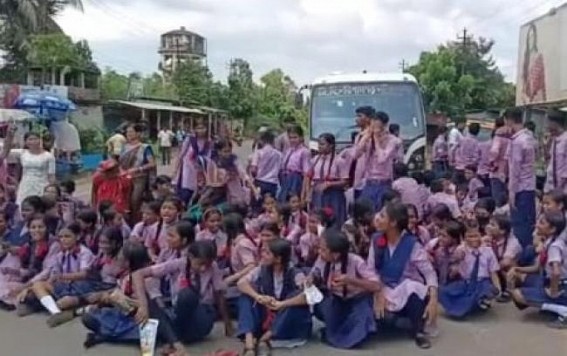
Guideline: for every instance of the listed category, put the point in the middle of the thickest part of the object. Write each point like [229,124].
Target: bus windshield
[333,108]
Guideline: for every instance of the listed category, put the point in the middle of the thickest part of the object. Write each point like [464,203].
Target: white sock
[49,303]
[556,308]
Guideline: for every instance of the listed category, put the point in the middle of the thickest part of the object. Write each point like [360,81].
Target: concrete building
[178,46]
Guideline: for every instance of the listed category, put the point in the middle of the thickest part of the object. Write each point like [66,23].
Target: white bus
[334,99]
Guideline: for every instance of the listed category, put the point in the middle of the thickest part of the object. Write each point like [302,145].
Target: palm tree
[21,18]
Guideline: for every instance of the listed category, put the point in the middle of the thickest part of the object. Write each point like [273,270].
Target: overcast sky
[306,38]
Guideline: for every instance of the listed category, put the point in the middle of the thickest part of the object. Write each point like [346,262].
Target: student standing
[381,149]
[522,180]
[165,137]
[467,152]
[498,161]
[295,165]
[265,167]
[440,153]
[327,179]
[557,166]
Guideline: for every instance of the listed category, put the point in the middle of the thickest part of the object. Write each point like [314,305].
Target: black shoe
[560,323]
[92,340]
[505,297]
[422,341]
[7,307]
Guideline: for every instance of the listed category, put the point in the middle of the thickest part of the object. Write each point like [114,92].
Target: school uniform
[266,163]
[533,290]
[237,192]
[140,232]
[400,152]
[443,258]
[379,169]
[245,251]
[329,168]
[406,273]
[462,297]
[356,162]
[474,186]
[193,313]
[110,324]
[409,193]
[522,183]
[483,168]
[19,234]
[557,166]
[293,323]
[498,161]
[193,152]
[308,249]
[467,153]
[347,312]
[156,237]
[295,165]
[64,262]
[220,240]
[440,156]
[448,200]
[422,234]
[508,248]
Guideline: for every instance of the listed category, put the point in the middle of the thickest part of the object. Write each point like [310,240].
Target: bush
[92,141]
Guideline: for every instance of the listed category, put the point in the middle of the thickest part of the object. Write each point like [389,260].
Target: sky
[305,38]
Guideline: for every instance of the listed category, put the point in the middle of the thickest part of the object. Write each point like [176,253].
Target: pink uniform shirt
[521,162]
[467,152]
[267,162]
[557,166]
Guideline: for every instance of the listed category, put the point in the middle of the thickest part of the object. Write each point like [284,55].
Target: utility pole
[465,38]
[404,65]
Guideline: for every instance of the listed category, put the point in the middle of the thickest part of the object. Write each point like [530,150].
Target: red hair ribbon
[328,211]
[184,283]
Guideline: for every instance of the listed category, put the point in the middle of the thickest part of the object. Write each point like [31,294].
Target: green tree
[21,19]
[456,79]
[52,52]
[192,81]
[113,86]
[242,103]
[277,97]
[156,87]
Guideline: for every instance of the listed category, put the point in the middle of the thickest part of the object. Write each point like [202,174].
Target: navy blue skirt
[373,191]
[292,323]
[348,322]
[79,288]
[112,325]
[533,291]
[460,298]
[333,198]
[290,183]
[195,327]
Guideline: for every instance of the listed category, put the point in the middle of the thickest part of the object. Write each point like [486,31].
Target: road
[501,331]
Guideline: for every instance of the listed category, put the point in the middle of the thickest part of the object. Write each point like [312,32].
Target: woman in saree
[137,159]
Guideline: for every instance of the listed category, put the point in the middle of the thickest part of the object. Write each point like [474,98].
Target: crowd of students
[246,243]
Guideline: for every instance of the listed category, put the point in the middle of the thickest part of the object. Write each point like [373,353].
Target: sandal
[422,341]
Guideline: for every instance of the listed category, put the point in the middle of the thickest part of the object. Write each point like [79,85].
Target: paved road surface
[502,331]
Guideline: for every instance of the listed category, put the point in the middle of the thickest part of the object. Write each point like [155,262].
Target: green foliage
[54,51]
[193,81]
[92,140]
[21,19]
[276,97]
[242,102]
[113,86]
[456,79]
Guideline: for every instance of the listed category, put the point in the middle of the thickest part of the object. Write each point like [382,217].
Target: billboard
[542,59]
